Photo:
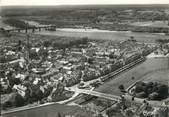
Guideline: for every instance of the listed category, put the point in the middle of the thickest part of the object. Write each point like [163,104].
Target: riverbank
[87,30]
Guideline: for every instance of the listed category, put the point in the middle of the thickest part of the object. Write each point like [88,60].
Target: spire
[82,76]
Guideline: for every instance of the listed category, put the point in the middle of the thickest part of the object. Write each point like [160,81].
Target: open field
[140,72]
[49,111]
[114,36]
[158,76]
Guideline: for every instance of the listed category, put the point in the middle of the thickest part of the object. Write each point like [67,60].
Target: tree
[140,86]
[163,91]
[121,87]
[132,77]
[19,46]
[43,53]
[19,100]
[39,94]
[33,55]
[84,40]
[47,43]
[152,90]
[59,115]
[90,60]
[7,105]
[17,23]
[100,115]
[141,94]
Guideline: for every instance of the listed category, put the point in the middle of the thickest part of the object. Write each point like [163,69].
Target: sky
[79,2]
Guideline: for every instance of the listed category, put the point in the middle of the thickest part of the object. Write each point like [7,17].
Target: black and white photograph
[84,58]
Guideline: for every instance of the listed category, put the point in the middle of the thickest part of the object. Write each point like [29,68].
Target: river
[100,34]
[96,33]
[104,34]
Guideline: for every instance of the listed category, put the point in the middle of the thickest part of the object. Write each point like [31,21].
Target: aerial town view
[84,61]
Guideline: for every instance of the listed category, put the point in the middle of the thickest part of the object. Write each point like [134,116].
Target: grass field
[158,76]
[145,71]
[51,110]
[115,36]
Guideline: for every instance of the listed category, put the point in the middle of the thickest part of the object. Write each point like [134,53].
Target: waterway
[96,33]
[99,34]
[104,34]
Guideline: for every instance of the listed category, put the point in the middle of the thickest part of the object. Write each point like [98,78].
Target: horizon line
[87,4]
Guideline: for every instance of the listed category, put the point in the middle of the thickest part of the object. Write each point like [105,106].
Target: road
[94,93]
[116,98]
[110,96]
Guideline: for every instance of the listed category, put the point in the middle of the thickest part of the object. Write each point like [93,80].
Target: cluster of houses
[42,72]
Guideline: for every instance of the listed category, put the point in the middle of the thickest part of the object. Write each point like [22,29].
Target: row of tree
[17,23]
[162,41]
[62,44]
[151,90]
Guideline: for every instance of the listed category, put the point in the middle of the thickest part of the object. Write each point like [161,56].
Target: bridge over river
[32,29]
